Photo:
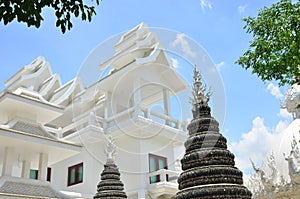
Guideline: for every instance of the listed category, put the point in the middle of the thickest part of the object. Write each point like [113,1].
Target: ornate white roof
[31,128]
[280,173]
[11,186]
[292,101]
[36,80]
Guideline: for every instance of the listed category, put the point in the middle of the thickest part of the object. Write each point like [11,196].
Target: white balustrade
[165,175]
[89,118]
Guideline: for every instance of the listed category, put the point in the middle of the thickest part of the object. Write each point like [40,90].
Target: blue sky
[215,25]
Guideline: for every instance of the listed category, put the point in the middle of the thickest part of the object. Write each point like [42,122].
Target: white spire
[292,101]
[110,151]
[199,90]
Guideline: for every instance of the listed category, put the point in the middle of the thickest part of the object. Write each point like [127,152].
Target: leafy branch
[29,11]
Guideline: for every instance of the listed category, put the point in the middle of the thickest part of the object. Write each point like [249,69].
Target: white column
[107,109]
[107,105]
[178,149]
[137,97]
[8,161]
[166,99]
[141,194]
[26,169]
[178,152]
[43,163]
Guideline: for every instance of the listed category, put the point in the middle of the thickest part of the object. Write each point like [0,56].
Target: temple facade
[54,136]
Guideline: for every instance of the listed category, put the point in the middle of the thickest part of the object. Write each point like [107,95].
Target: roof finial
[110,150]
[295,148]
[199,90]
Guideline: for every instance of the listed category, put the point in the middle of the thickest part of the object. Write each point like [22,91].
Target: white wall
[91,169]
[17,170]
[131,158]
[3,118]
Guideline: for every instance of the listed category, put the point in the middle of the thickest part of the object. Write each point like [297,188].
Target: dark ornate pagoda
[208,166]
[110,186]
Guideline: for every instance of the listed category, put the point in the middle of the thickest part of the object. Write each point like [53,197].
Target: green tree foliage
[29,11]
[274,52]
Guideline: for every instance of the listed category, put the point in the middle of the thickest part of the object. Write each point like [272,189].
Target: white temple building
[53,137]
[279,176]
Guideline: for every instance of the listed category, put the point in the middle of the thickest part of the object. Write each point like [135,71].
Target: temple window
[33,174]
[75,174]
[156,163]
[49,174]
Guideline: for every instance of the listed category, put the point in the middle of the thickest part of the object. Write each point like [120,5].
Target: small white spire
[110,150]
[199,90]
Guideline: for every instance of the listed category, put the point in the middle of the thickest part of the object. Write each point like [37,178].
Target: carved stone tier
[210,175]
[208,166]
[220,191]
[110,185]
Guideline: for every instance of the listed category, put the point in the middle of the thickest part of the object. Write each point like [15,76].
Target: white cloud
[274,90]
[257,143]
[183,43]
[242,8]
[225,131]
[219,65]
[284,114]
[205,4]
[174,62]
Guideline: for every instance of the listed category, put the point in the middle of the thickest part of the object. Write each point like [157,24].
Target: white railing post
[59,133]
[92,118]
[163,175]
[137,111]
[146,112]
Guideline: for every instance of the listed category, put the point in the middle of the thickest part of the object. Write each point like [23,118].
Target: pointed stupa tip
[200,93]
[110,151]
[200,96]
